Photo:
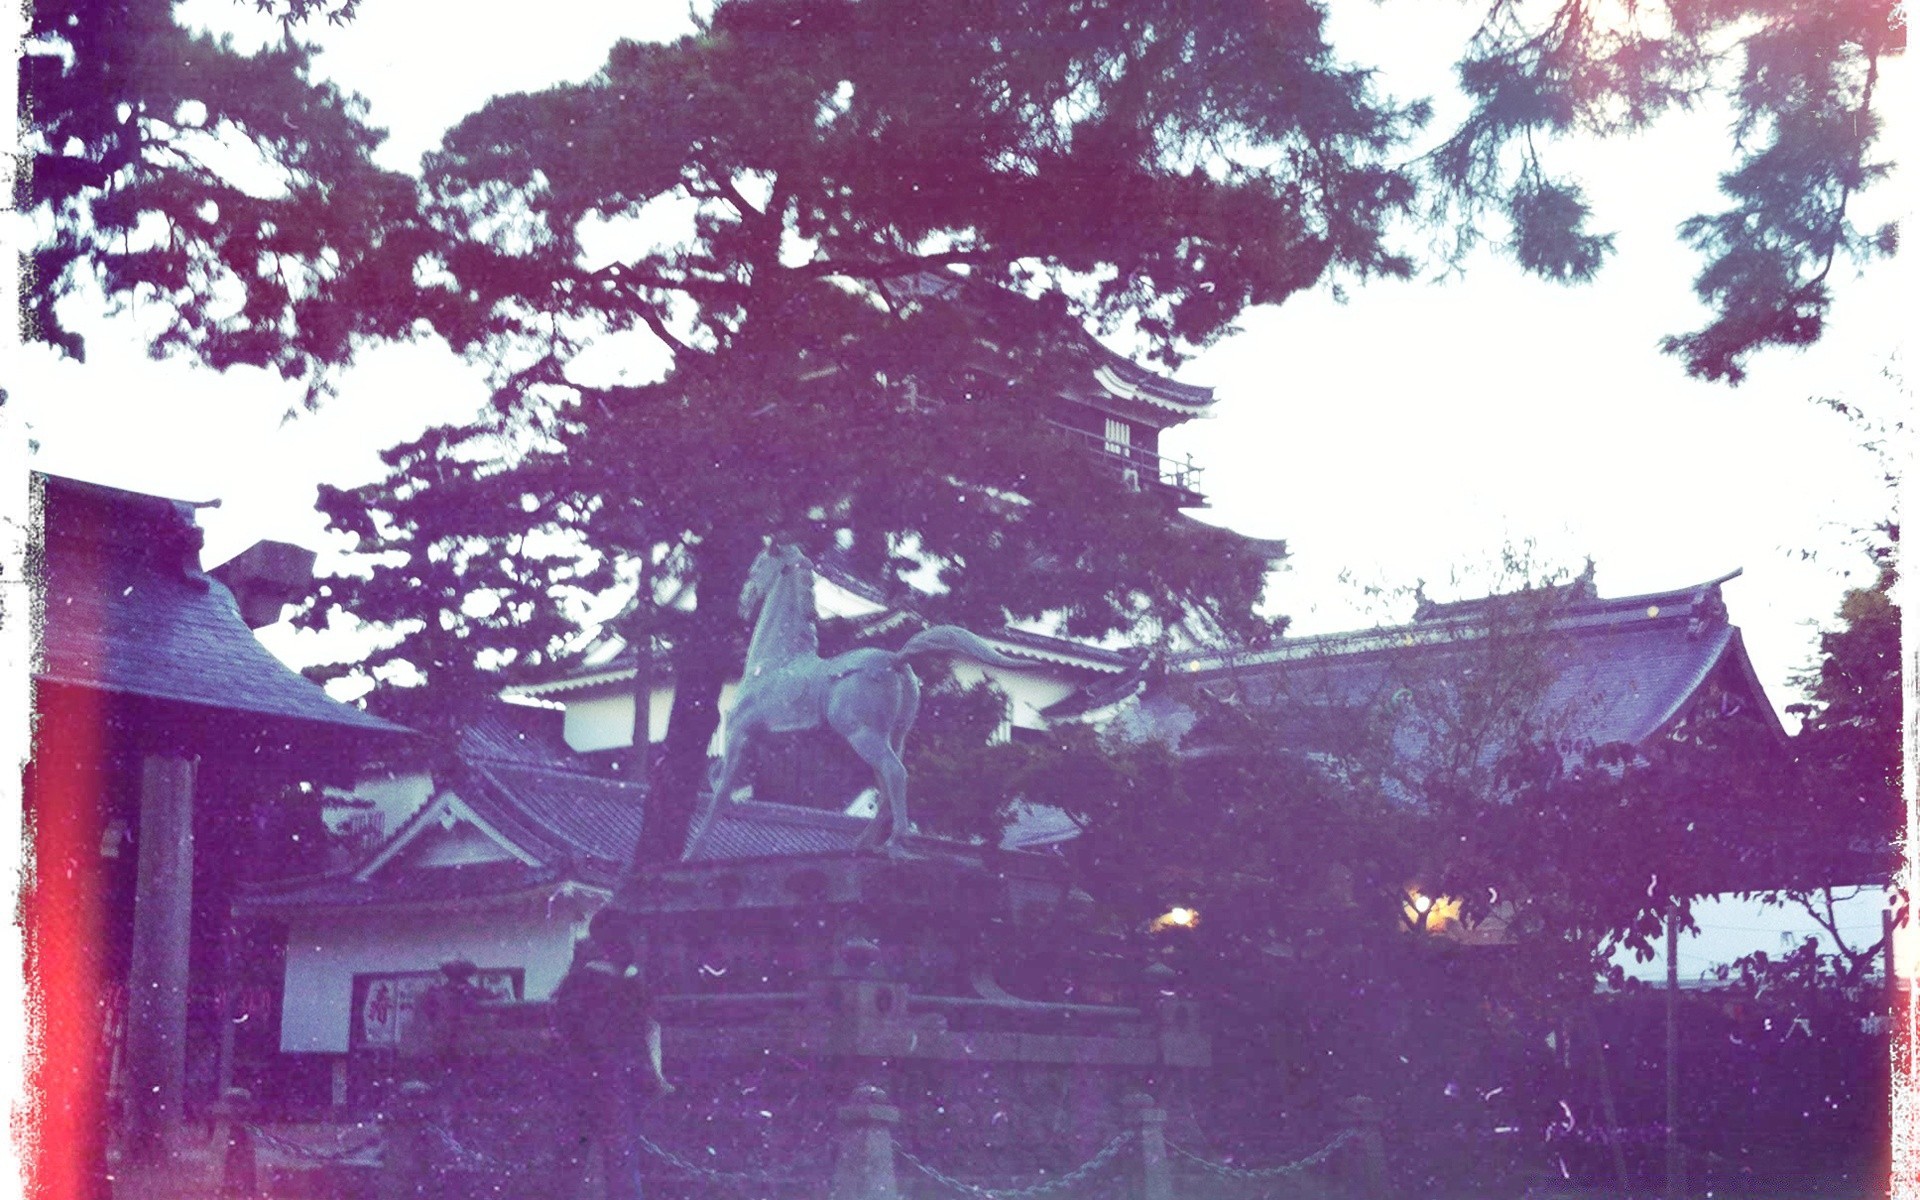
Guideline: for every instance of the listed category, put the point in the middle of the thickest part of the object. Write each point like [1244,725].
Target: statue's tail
[951,639]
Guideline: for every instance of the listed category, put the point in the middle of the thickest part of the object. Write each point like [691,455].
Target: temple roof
[427,887]
[1599,671]
[551,824]
[755,829]
[128,611]
[555,824]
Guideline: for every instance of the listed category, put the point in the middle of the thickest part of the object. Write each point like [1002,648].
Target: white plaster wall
[599,722]
[1028,690]
[831,600]
[459,846]
[324,952]
[1732,927]
[605,722]
[397,797]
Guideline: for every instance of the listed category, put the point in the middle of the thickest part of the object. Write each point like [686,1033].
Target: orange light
[1178,916]
[1430,913]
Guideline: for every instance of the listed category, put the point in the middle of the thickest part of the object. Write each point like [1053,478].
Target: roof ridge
[568,843]
[1462,624]
[498,798]
[551,766]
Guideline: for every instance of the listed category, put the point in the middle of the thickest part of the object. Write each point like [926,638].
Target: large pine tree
[828,215]
[757,202]
[236,190]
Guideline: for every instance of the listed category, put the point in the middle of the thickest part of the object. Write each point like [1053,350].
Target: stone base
[967,983]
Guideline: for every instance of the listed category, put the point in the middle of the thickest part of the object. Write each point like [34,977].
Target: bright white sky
[1406,435]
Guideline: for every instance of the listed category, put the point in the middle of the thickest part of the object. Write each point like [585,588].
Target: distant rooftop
[1616,670]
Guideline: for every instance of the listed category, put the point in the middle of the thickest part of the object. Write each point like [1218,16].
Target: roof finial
[1582,588]
[1423,607]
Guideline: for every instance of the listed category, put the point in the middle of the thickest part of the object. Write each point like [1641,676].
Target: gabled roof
[425,888]
[559,816]
[757,829]
[129,612]
[1608,671]
[554,825]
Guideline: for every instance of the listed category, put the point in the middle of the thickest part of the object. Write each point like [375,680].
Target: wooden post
[863,1168]
[156,1042]
[1149,1122]
[1887,963]
[1676,1158]
[1369,1155]
[233,1144]
[405,1165]
[1607,1109]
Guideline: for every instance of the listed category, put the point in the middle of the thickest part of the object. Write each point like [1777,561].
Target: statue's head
[775,562]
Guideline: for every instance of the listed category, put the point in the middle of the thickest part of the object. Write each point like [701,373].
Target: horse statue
[868,696]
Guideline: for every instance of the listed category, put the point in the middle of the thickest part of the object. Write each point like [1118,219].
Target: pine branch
[893,268]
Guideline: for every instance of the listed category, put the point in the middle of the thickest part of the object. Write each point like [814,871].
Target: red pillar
[64,911]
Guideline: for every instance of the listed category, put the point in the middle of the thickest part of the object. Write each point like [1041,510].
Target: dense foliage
[236,189]
[1417,894]
[1851,738]
[234,193]
[813,213]
[786,212]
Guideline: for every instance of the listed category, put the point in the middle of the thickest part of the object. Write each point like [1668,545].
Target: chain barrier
[1293,1168]
[1106,1155]
[363,1154]
[465,1157]
[707,1173]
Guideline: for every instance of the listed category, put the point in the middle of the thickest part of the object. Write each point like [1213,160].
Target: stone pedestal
[963,980]
[959,996]
[863,1166]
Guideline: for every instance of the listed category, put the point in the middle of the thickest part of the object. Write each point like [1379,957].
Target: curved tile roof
[557,816]
[1608,671]
[758,829]
[419,887]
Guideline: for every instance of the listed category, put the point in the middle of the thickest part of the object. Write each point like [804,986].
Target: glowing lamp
[1431,913]
[1179,916]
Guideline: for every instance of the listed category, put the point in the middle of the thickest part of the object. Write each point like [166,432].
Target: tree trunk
[706,655]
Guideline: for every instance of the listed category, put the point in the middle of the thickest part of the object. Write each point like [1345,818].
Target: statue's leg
[872,745]
[732,753]
[904,717]
[907,712]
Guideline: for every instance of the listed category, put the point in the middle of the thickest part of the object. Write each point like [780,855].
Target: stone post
[863,1166]
[1368,1154]
[1149,1123]
[232,1145]
[406,1164]
[156,1045]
